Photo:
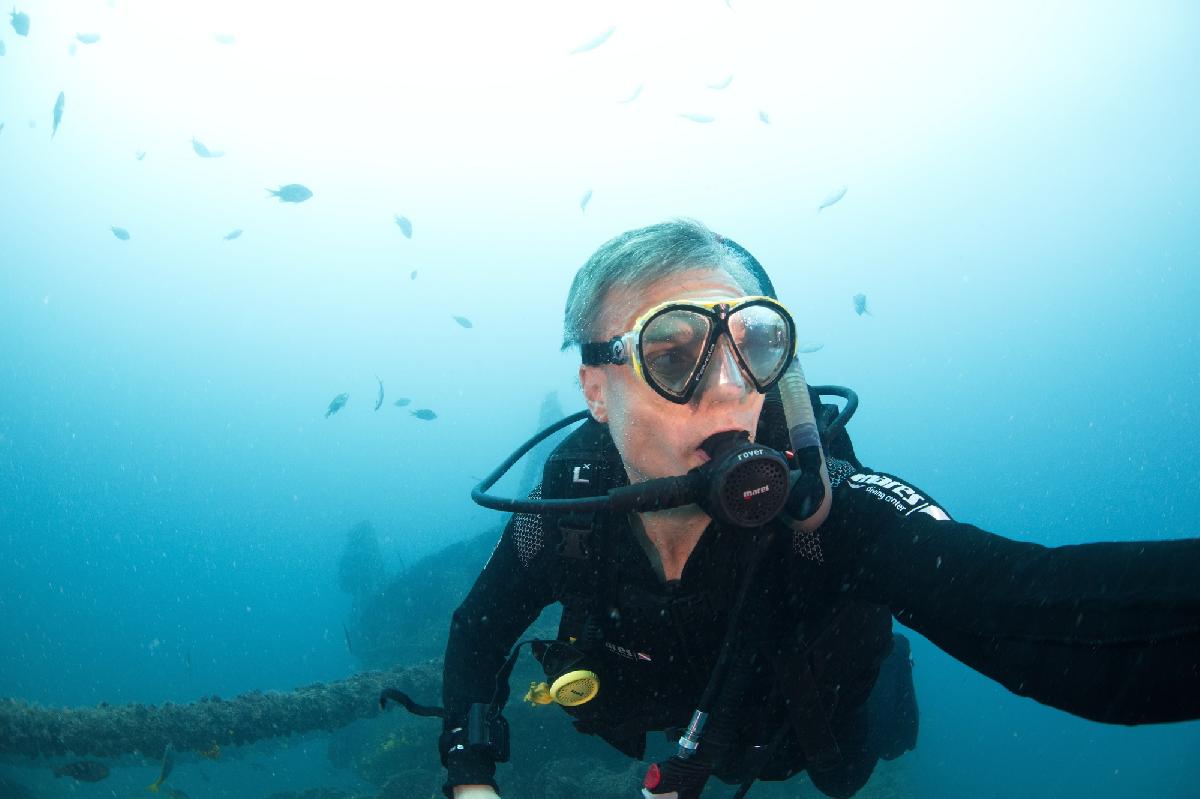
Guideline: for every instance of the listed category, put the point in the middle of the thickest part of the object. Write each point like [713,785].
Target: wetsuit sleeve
[506,598]
[1107,631]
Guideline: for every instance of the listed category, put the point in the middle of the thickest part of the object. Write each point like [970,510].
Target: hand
[475,792]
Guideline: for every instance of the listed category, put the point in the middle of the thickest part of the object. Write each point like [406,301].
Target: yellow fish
[168,763]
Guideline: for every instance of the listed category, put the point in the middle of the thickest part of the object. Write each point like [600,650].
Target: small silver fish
[224,38]
[337,404]
[233,234]
[424,414]
[71,50]
[806,347]
[762,115]
[88,38]
[58,112]
[832,199]
[291,193]
[379,399]
[860,305]
[721,84]
[121,233]
[2,50]
[413,276]
[20,22]
[701,118]
[464,321]
[636,93]
[400,403]
[592,44]
[585,199]
[140,154]
[203,151]
[404,225]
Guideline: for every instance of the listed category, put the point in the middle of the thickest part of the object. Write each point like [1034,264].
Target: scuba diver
[729,571]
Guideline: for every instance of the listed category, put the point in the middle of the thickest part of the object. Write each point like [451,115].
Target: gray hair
[641,256]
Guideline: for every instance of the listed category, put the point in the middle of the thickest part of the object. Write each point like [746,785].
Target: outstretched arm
[1107,631]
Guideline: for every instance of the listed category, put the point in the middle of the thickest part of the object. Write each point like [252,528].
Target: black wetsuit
[1107,631]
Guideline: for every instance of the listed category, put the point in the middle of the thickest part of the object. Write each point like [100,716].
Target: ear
[594,382]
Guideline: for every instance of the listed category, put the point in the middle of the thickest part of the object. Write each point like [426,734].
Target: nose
[723,379]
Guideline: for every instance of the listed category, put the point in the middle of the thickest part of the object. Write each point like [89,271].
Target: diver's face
[656,437]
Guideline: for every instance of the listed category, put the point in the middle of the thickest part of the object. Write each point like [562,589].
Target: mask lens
[672,345]
[763,338]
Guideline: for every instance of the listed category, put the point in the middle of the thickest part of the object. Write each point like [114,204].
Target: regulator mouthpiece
[747,484]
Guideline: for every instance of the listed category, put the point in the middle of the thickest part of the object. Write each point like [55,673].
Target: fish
[464,322]
[809,346]
[1,127]
[379,399]
[20,22]
[88,38]
[224,38]
[212,753]
[2,50]
[762,115]
[233,234]
[83,771]
[337,404]
[701,118]
[121,233]
[203,151]
[860,305]
[168,763]
[400,403]
[349,648]
[404,225]
[592,44]
[413,276]
[291,193]
[71,50]
[425,414]
[636,93]
[722,84]
[140,154]
[58,111]
[832,199]
[585,199]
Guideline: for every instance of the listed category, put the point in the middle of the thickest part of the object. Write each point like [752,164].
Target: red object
[653,777]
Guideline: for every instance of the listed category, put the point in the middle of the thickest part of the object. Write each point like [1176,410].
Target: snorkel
[810,495]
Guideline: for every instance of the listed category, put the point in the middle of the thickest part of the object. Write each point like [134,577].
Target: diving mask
[672,344]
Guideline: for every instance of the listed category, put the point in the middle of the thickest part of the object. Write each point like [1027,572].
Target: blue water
[1022,212]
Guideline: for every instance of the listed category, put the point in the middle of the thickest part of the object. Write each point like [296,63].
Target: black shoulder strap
[585,464]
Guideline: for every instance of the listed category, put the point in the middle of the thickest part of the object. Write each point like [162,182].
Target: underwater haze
[1013,188]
